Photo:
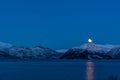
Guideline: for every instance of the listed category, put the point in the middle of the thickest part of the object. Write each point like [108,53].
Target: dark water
[59,70]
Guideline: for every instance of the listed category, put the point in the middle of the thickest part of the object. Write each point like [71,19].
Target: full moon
[90,40]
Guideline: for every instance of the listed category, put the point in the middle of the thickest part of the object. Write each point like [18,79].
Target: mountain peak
[5,45]
[96,47]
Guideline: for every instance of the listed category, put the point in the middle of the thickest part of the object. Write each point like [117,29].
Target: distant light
[89,40]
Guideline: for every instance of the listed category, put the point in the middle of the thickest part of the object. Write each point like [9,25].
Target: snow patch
[4,45]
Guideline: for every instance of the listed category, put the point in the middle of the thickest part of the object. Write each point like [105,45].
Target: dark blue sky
[59,23]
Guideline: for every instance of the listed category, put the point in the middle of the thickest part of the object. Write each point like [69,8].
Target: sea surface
[60,70]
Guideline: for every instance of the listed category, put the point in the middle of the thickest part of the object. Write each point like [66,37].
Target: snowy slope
[96,47]
[115,52]
[38,52]
[89,51]
[4,45]
[62,50]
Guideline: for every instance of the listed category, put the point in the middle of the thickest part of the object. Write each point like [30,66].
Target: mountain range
[9,51]
[93,51]
[85,51]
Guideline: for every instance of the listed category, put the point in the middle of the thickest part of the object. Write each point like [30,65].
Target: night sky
[59,23]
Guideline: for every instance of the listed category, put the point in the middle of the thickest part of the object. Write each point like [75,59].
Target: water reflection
[89,70]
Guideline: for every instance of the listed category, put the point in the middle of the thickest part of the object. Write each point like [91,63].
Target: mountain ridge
[90,51]
[85,51]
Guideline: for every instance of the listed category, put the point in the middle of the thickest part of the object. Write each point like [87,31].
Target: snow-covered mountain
[91,47]
[85,51]
[5,45]
[115,52]
[38,52]
[89,51]
[96,47]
